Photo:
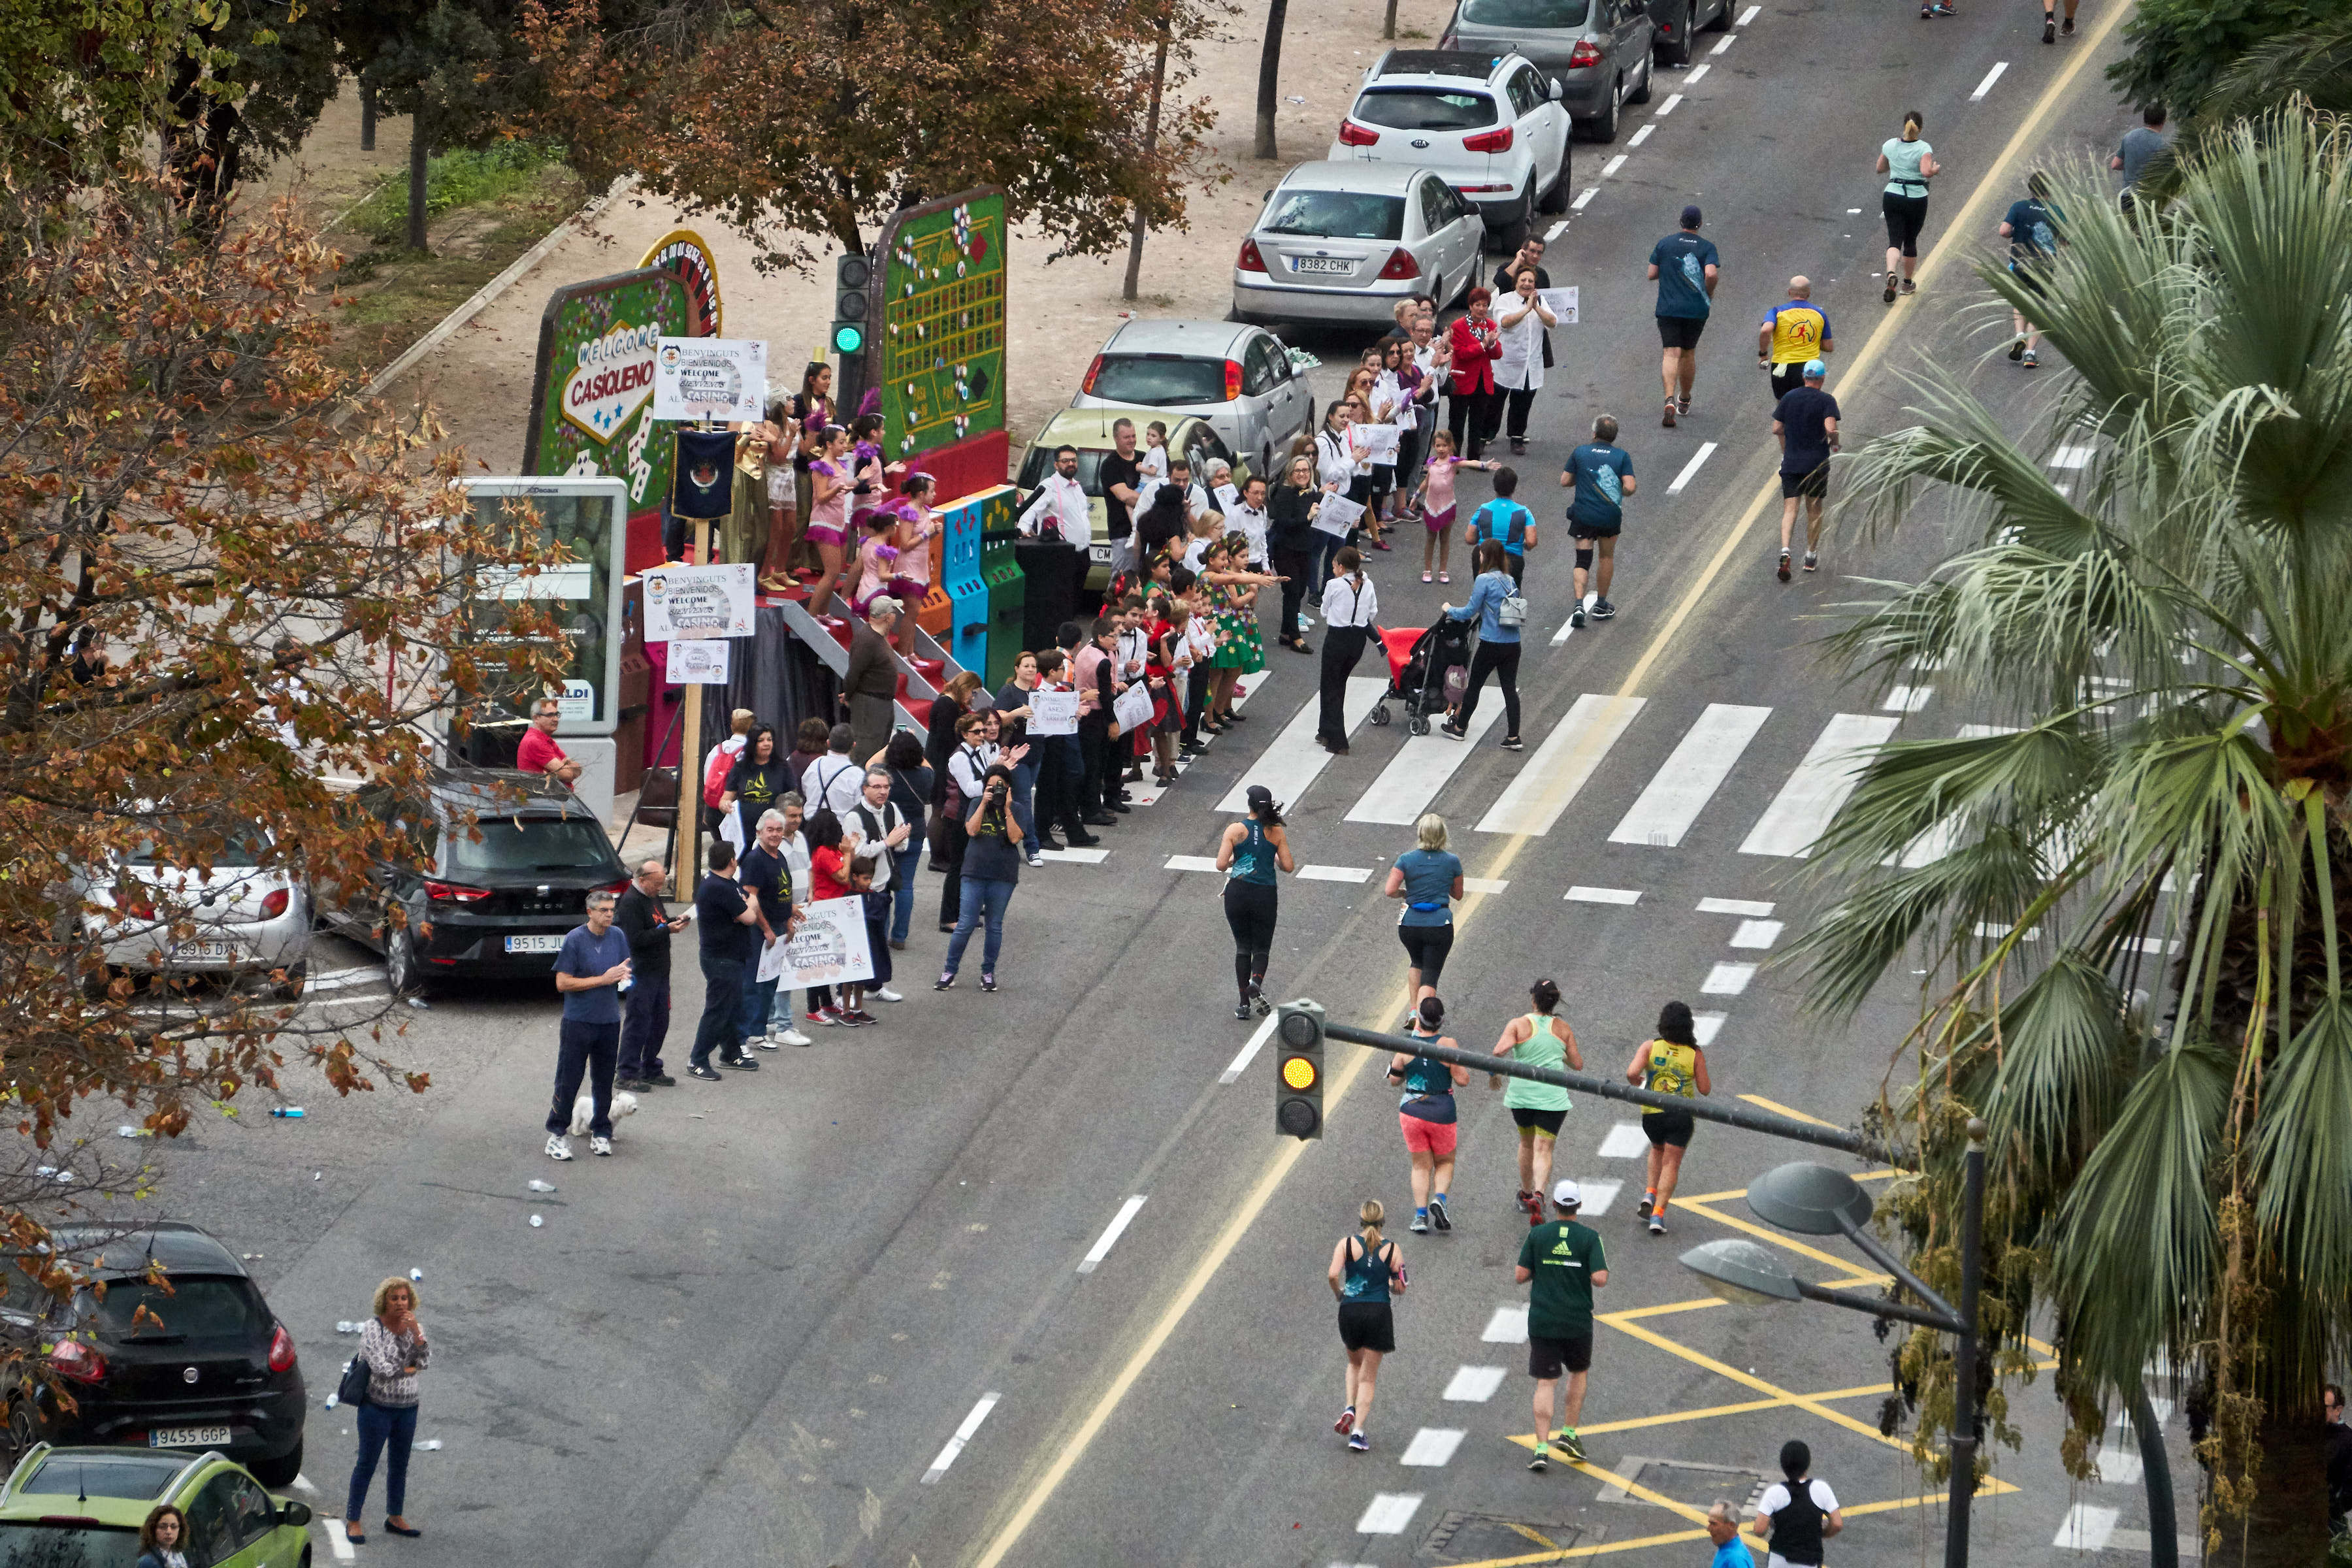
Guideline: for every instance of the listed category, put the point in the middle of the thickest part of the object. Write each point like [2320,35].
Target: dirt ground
[480,380]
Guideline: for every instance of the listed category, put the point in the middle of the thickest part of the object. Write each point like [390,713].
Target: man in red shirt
[538,753]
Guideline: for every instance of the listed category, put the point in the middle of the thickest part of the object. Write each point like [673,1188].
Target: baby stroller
[1418,665]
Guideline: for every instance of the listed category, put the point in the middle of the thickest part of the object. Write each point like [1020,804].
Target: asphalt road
[835,1313]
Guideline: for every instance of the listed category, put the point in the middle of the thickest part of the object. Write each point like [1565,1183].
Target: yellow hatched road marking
[1794,1115]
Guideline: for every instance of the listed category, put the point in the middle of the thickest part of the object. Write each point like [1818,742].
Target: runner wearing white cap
[1566,1263]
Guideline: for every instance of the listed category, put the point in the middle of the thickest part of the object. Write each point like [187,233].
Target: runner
[1504,521]
[1567,1264]
[1671,1064]
[1426,1115]
[1685,267]
[1428,877]
[1794,330]
[1249,854]
[1603,477]
[2049,29]
[1366,1271]
[2031,226]
[1797,1514]
[1805,423]
[1909,164]
[1540,1040]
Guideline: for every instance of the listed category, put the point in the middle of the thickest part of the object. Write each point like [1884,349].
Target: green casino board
[943,344]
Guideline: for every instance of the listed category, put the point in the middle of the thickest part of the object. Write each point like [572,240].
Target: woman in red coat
[1472,400]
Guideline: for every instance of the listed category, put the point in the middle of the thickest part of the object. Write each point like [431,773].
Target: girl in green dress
[1240,649]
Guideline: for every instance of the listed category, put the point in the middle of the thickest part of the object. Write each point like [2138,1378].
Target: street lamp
[1814,1200]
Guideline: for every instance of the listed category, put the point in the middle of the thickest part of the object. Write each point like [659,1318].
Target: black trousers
[585,1050]
[1343,646]
[722,1010]
[1502,658]
[1462,420]
[1104,762]
[1249,913]
[1517,402]
[644,1024]
[1291,566]
[950,849]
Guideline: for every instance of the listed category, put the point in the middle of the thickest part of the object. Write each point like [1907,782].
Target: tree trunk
[2156,1471]
[1150,144]
[1269,71]
[417,150]
[1387,23]
[2287,1526]
[367,118]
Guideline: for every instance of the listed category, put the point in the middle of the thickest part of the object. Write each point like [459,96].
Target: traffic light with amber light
[1298,1069]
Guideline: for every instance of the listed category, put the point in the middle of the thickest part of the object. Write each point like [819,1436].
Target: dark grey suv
[1600,50]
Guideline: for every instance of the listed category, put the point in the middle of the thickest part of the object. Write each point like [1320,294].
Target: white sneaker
[599,1146]
[884,994]
[557,1149]
[766,1042]
[791,1037]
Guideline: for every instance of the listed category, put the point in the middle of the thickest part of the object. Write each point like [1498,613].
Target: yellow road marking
[1805,1401]
[1998,176]
[1774,1105]
[1528,1439]
[1662,1309]
[1993,1487]
[1538,1536]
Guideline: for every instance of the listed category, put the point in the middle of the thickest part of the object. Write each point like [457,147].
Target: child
[1167,634]
[1437,501]
[877,558]
[779,434]
[1207,528]
[877,936]
[910,583]
[866,457]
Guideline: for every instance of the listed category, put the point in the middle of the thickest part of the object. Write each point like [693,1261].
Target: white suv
[1492,125]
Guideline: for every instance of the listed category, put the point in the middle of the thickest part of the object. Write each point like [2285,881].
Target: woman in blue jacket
[1495,605]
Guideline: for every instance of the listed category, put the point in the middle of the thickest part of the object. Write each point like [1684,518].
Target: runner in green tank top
[1539,1040]
[1672,1064]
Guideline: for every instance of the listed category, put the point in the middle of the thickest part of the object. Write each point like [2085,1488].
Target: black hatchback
[503,867]
[195,1362]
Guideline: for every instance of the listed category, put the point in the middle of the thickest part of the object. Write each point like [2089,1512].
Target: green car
[81,1508]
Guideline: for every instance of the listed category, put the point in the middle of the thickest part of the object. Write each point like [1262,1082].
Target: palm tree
[2168,650]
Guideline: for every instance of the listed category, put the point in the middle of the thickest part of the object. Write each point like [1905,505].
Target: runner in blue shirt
[1506,522]
[1806,424]
[2031,227]
[1603,477]
[1685,267]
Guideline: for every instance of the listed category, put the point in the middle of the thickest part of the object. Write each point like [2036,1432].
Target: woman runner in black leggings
[1249,854]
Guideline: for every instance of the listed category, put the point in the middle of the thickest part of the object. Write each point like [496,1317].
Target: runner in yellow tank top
[1671,1064]
[1539,1039]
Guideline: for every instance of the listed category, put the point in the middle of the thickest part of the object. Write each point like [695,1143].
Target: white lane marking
[2072,457]
[1728,979]
[1688,779]
[1990,77]
[1626,1141]
[1295,759]
[2119,1466]
[1993,930]
[1756,908]
[1583,196]
[1692,79]
[1101,1248]
[1598,1196]
[1668,107]
[1432,1445]
[1190,863]
[1821,784]
[1640,136]
[1567,629]
[1583,895]
[1076,856]
[1555,231]
[1757,933]
[1748,15]
[1906,699]
[1726,44]
[1473,1384]
[1419,770]
[1705,1026]
[1388,1513]
[341,978]
[305,1484]
[338,1541]
[1508,1326]
[1690,469]
[1611,166]
[1334,873]
[2152,944]
[963,1435]
[1256,1042]
[1561,765]
[1483,884]
[2085,1527]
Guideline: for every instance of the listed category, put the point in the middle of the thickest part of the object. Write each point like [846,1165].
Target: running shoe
[1889,295]
[557,1148]
[2049,29]
[2033,361]
[1531,1202]
[792,1037]
[826,1016]
[1437,1215]
[1649,1199]
[662,1081]
[1420,1225]
[1242,1008]
[858,1018]
[1347,1422]
[884,994]
[1451,730]
[706,1074]
[1542,1459]
[1576,616]
[1682,403]
[2017,349]
[1657,1225]
[600,1146]
[1359,1444]
[1036,860]
[1512,743]
[1926,14]
[1569,1444]
[944,983]
[1784,566]
[987,981]
[765,1042]
[1669,420]
[1813,561]
[1910,285]
[1604,610]
[739,1064]
[2067,27]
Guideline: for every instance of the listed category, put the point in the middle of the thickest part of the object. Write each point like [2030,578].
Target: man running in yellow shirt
[1793,331]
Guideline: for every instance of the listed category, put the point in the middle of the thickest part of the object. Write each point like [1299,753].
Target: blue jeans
[379,1425]
[902,885]
[759,996]
[979,898]
[1319,570]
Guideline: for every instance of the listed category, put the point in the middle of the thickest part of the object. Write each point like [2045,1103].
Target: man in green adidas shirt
[1567,1264]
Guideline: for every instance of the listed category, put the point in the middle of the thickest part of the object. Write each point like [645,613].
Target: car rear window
[1425,108]
[1040,463]
[1525,13]
[132,1475]
[231,843]
[1336,215]
[25,1543]
[511,844]
[1159,380]
[201,1308]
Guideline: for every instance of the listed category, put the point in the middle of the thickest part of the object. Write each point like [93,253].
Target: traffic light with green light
[852,303]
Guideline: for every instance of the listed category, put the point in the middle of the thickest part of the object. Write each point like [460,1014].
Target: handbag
[353,1388]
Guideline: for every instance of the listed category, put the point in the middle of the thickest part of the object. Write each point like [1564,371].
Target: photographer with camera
[991,866]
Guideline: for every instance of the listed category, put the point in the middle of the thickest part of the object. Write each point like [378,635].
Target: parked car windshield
[1040,462]
[520,844]
[1336,215]
[28,1543]
[205,1308]
[1425,108]
[1159,380]
[1524,13]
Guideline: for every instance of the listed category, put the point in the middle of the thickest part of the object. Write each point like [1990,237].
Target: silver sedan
[1345,241]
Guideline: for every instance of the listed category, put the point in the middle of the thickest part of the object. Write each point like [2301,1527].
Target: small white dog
[584,1109]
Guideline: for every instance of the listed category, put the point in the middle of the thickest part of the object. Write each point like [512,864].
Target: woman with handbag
[1471,396]
[392,1350]
[1496,605]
